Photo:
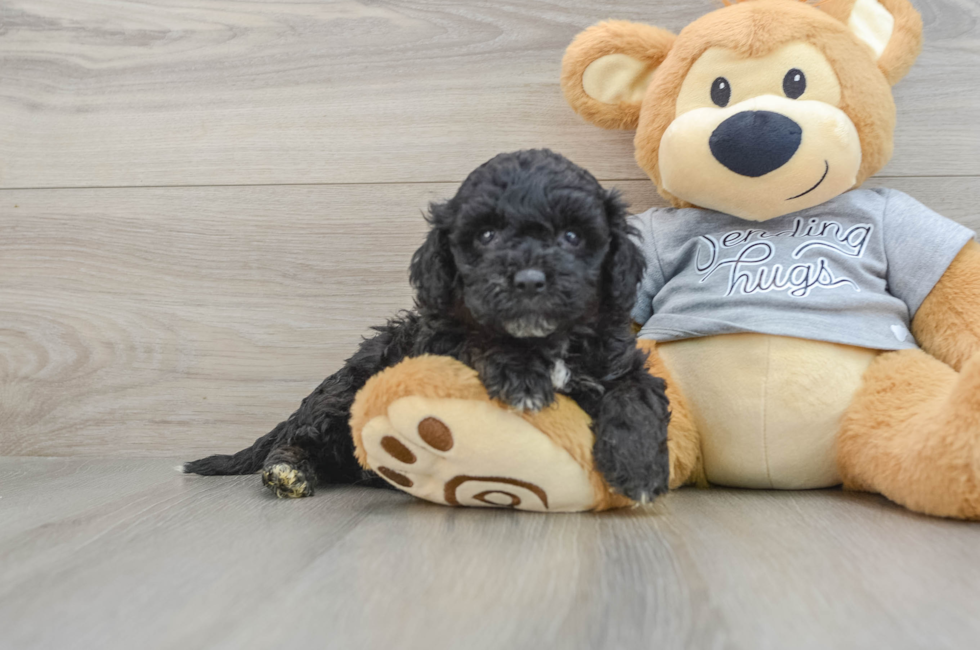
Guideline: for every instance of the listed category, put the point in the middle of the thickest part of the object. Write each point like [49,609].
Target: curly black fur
[532,211]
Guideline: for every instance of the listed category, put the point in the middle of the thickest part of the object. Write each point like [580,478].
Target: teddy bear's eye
[721,92]
[794,83]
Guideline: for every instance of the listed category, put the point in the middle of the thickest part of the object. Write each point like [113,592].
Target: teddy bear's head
[758,109]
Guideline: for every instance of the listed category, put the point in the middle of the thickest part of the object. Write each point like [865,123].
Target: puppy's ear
[624,262]
[433,270]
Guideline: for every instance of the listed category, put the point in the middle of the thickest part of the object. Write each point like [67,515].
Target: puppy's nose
[530,280]
[754,143]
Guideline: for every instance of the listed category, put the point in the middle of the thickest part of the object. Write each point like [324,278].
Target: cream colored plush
[540,476]
[766,414]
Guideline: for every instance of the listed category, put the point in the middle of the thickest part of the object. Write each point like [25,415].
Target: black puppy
[528,275]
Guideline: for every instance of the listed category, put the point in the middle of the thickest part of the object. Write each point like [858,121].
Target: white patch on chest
[560,374]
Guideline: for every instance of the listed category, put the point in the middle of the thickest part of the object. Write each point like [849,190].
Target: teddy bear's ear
[892,28]
[607,68]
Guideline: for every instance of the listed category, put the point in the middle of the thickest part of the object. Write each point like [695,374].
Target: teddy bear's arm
[947,325]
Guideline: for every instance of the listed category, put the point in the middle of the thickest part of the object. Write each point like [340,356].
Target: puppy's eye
[571,237]
[487,236]
[794,83]
[721,91]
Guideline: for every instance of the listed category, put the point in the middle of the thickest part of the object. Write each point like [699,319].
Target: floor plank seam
[358,184]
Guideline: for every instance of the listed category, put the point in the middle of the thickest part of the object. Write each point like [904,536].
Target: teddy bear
[811,333]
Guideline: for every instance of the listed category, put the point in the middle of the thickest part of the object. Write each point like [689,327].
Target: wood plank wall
[204,204]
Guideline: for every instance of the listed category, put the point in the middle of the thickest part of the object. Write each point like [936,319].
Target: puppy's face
[530,245]
[530,256]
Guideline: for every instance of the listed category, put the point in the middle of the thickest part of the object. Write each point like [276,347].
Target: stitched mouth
[825,172]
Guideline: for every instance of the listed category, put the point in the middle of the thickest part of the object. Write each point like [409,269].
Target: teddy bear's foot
[428,427]
[288,475]
[471,453]
[913,434]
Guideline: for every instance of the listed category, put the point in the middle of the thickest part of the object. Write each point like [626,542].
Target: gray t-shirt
[853,270]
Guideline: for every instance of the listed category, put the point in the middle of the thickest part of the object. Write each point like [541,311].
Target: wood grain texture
[157,321]
[127,554]
[185,321]
[149,92]
[179,321]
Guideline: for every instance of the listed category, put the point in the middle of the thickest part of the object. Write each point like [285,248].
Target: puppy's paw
[631,440]
[639,474]
[522,386]
[524,393]
[531,403]
[287,481]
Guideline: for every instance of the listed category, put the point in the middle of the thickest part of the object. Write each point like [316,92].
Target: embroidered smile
[825,171]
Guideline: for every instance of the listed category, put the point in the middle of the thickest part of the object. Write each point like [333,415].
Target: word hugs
[759,261]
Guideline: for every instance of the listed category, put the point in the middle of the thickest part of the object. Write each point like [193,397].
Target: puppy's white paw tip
[643,499]
[528,404]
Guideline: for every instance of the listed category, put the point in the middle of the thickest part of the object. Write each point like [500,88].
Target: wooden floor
[204,204]
[128,554]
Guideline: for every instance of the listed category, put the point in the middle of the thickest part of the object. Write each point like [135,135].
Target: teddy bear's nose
[754,143]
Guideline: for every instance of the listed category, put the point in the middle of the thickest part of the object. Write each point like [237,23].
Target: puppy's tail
[246,461]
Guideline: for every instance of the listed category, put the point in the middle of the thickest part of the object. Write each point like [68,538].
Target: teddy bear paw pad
[472,453]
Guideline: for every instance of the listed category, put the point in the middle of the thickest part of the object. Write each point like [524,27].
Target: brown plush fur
[906,41]
[443,377]
[839,10]
[642,42]
[686,464]
[947,324]
[913,434]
